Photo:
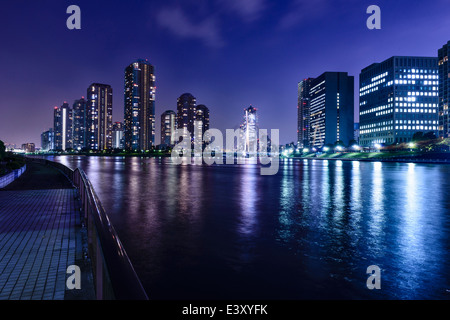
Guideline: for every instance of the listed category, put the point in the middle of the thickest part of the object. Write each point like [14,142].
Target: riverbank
[407,156]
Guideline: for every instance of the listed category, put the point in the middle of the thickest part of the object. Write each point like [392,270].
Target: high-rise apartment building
[62,127]
[80,124]
[99,116]
[398,97]
[303,113]
[168,127]
[186,104]
[117,135]
[139,113]
[201,122]
[444,91]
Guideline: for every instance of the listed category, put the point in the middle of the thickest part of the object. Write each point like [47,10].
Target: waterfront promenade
[40,236]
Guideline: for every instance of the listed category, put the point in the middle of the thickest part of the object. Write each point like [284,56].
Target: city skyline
[255,47]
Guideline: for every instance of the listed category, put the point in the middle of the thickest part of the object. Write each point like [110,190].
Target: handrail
[114,275]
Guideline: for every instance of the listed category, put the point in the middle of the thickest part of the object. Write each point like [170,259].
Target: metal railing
[114,275]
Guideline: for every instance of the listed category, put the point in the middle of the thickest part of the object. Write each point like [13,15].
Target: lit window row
[426,105]
[409,110]
[383,75]
[377,130]
[415,127]
[421,93]
[415,122]
[383,107]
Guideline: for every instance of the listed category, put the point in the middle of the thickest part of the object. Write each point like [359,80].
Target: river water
[308,232]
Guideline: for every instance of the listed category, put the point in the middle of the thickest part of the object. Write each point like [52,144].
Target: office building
[303,113]
[444,91]
[62,127]
[398,97]
[99,116]
[168,127]
[79,124]
[139,113]
[330,109]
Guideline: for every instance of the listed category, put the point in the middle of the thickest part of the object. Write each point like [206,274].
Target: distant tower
[168,127]
[250,129]
[139,113]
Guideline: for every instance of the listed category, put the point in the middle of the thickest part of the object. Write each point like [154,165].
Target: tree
[418,136]
[2,150]
[429,136]
[352,143]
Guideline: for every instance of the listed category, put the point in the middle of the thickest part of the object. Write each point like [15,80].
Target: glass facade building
[397,98]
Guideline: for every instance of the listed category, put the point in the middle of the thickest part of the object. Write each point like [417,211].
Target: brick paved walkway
[40,236]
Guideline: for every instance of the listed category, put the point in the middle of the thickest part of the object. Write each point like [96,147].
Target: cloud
[248,10]
[303,10]
[177,22]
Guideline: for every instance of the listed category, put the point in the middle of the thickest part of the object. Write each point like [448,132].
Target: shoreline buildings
[398,97]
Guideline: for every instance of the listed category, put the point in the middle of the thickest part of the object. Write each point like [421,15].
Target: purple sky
[227,53]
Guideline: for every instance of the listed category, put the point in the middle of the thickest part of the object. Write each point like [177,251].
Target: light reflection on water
[309,232]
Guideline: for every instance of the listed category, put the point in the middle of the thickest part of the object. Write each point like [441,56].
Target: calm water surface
[309,232]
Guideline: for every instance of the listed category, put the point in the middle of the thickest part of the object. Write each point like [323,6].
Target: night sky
[228,53]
